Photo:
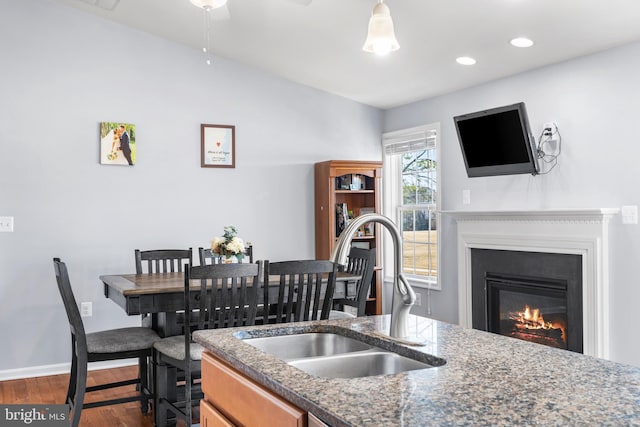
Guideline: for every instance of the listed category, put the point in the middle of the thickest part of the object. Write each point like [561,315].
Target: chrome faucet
[403,295]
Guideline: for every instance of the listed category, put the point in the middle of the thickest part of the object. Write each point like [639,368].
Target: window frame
[392,195]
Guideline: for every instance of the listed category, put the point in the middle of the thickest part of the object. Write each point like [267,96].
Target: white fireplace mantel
[581,232]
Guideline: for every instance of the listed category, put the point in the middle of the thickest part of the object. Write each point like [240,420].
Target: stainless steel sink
[336,356]
[360,364]
[287,347]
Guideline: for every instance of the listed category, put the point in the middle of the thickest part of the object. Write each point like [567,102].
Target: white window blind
[416,139]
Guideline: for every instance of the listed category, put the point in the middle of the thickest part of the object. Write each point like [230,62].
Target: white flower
[236,246]
[229,244]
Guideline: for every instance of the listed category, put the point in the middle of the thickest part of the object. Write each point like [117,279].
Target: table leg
[165,324]
[165,380]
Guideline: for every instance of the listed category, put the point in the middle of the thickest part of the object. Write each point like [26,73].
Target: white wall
[63,72]
[594,100]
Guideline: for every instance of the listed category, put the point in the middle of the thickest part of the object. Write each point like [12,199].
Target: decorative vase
[230,260]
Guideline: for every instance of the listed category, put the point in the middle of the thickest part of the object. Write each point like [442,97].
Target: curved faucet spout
[403,295]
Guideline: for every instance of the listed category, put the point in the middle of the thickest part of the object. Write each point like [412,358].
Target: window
[411,199]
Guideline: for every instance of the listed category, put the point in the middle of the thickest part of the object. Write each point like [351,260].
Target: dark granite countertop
[488,379]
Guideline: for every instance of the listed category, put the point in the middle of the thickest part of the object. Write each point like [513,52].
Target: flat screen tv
[497,141]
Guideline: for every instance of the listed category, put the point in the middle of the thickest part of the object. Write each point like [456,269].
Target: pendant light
[381,38]
[207,6]
[211,4]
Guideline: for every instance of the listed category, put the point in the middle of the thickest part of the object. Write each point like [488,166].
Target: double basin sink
[332,355]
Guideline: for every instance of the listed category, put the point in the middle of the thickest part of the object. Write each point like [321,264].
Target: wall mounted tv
[497,141]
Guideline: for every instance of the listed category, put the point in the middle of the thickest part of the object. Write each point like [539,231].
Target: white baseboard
[60,368]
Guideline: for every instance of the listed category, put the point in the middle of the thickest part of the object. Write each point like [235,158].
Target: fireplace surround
[581,232]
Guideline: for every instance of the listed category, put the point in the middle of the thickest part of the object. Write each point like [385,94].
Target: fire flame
[532,319]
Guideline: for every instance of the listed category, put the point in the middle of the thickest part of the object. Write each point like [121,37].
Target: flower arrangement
[229,245]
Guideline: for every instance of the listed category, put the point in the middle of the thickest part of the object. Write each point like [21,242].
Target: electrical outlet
[86,309]
[6,224]
[418,299]
[550,125]
[549,145]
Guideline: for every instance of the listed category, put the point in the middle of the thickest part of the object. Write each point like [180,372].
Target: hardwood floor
[53,389]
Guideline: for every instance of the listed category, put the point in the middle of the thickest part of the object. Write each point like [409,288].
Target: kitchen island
[488,379]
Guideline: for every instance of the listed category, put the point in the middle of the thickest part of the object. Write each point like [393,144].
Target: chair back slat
[265,293]
[240,300]
[162,260]
[220,308]
[293,293]
[305,290]
[304,307]
[317,285]
[231,309]
[282,286]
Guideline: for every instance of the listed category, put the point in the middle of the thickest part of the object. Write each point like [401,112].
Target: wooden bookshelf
[333,186]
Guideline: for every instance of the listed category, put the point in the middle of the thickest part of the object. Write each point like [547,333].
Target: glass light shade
[209,4]
[381,38]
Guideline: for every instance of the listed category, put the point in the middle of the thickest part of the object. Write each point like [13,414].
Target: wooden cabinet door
[243,401]
[210,417]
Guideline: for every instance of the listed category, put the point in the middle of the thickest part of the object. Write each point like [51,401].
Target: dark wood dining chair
[158,261]
[305,290]
[207,257]
[361,262]
[114,344]
[227,297]
[162,260]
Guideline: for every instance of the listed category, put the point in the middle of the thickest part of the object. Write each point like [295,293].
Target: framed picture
[218,146]
[368,228]
[117,143]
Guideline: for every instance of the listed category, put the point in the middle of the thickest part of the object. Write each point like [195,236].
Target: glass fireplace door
[528,309]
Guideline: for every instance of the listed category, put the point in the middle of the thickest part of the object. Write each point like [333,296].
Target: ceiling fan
[216,10]
[220,11]
[103,4]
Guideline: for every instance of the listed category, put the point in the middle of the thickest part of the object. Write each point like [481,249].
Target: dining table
[161,295]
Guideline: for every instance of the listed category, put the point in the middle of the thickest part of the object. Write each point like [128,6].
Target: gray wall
[594,100]
[63,72]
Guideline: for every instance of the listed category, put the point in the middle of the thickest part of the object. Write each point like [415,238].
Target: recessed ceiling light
[465,60]
[521,42]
